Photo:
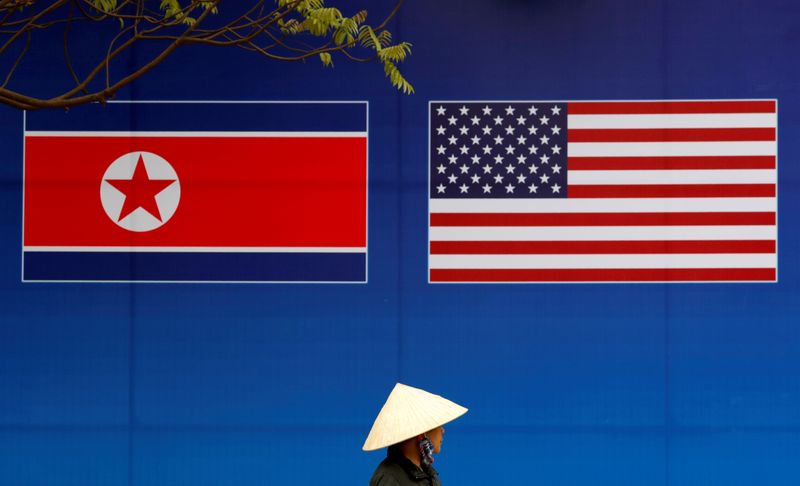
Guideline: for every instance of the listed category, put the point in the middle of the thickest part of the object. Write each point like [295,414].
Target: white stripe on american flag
[716,120]
[504,262]
[757,176]
[671,149]
[660,191]
[602,233]
[630,205]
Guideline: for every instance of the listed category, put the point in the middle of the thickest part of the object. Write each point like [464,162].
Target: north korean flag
[196,192]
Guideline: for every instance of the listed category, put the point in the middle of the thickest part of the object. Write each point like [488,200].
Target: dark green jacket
[397,470]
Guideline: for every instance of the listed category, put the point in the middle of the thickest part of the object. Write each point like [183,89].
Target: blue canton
[498,150]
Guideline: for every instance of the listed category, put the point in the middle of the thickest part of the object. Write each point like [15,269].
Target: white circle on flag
[152,203]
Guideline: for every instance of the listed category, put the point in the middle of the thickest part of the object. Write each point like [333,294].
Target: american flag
[603,191]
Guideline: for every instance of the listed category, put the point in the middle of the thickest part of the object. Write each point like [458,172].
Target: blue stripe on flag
[193,117]
[212,267]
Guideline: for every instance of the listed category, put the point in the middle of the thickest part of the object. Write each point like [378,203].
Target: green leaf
[396,53]
[397,79]
[325,57]
[105,6]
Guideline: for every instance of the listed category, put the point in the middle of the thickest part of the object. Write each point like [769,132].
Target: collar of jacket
[414,472]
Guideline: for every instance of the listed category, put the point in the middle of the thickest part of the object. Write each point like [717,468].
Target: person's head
[408,417]
[435,436]
[421,448]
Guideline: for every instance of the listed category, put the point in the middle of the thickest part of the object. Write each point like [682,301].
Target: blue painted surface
[567,384]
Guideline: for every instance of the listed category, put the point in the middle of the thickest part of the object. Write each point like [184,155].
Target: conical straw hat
[409,412]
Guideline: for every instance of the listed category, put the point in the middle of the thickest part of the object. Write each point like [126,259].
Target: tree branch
[277,33]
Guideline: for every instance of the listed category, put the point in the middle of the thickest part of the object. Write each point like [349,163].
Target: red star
[140,191]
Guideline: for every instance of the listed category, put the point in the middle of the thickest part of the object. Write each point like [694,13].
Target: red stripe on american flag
[597,247]
[603,219]
[672,190]
[671,163]
[605,275]
[659,107]
[671,134]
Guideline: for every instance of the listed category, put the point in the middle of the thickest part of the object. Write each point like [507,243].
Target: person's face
[436,435]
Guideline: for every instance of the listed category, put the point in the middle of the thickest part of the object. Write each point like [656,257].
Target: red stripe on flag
[605,275]
[671,135]
[237,191]
[671,190]
[603,219]
[657,107]
[671,163]
[598,247]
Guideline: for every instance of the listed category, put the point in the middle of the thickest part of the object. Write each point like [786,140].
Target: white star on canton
[487,130]
[440,130]
[463,129]
[498,178]
[498,159]
[464,110]
[487,169]
[544,139]
[556,149]
[451,120]
[534,169]
[441,168]
[452,159]
[452,178]
[476,159]
[498,120]
[521,140]
[487,188]
[487,110]
[510,110]
[544,178]
[475,178]
[556,169]
[521,178]
[475,120]
[544,119]
[452,139]
[440,149]
[533,149]
[544,158]
[510,130]
[533,110]
[510,169]
[521,120]
[464,169]
[476,140]
[510,149]
[532,188]
[532,130]
[556,188]
[487,149]
[498,140]
[509,189]
[521,159]
[555,110]
[464,188]
[464,149]
[440,189]
[440,110]
[556,130]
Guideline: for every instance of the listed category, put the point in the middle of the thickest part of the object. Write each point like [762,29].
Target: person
[411,424]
